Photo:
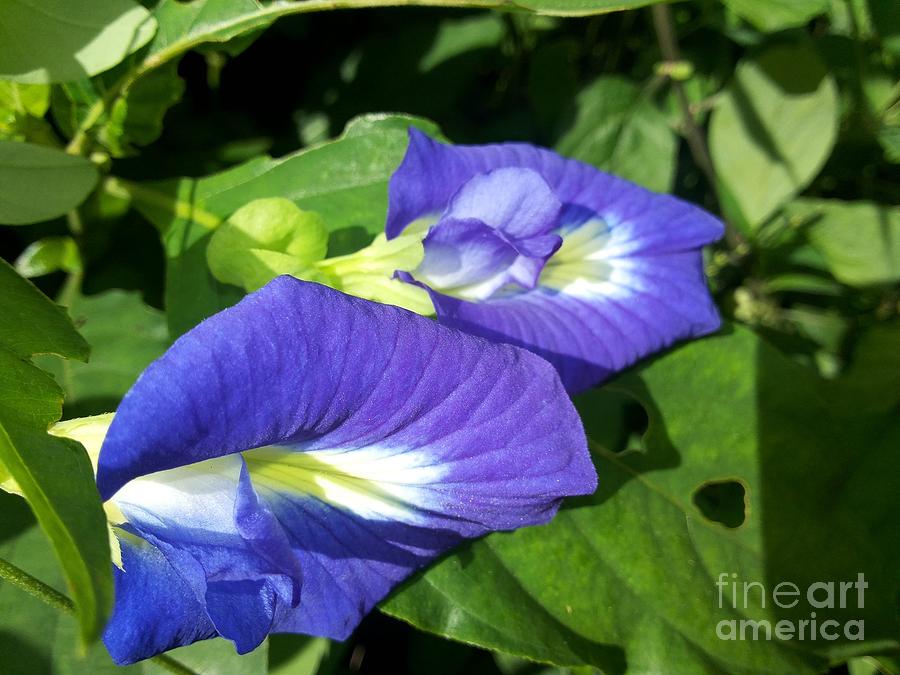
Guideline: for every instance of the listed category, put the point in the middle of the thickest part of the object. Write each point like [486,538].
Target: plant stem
[37,588]
[668,47]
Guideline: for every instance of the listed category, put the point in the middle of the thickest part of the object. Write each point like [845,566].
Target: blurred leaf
[797,282]
[889,137]
[47,255]
[860,241]
[20,105]
[39,183]
[136,118]
[44,41]
[125,336]
[775,15]
[302,655]
[344,180]
[53,474]
[619,130]
[576,7]
[773,129]
[263,239]
[217,657]
[626,579]
[886,22]
[458,36]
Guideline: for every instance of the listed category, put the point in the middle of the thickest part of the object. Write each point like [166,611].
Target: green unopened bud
[676,70]
[264,239]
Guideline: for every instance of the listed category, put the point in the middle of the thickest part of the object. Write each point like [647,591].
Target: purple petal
[432,172]
[155,610]
[627,281]
[374,439]
[644,305]
[227,546]
[515,201]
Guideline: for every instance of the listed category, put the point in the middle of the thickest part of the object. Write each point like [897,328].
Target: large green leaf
[626,580]
[619,130]
[344,181]
[43,41]
[860,241]
[773,129]
[53,474]
[773,15]
[39,183]
[125,336]
[183,26]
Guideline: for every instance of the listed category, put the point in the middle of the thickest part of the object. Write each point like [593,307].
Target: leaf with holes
[626,579]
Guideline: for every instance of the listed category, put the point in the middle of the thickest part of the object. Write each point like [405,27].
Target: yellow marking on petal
[579,267]
[387,486]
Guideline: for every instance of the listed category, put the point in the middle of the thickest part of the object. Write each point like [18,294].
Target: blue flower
[291,459]
[526,247]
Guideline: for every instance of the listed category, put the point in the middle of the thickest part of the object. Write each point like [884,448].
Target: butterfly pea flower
[526,247]
[291,459]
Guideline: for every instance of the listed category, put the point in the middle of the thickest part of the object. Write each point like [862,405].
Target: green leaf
[577,7]
[773,129]
[345,181]
[125,337]
[263,239]
[135,118]
[32,324]
[39,183]
[53,474]
[619,130]
[302,655]
[775,15]
[889,138]
[20,106]
[860,241]
[455,37]
[44,41]
[47,255]
[626,579]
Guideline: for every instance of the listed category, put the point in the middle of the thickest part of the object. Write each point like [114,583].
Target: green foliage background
[130,132]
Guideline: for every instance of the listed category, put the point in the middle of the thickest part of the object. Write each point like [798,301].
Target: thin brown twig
[668,47]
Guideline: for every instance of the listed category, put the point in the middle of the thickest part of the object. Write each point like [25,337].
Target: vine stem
[668,47]
[49,595]
[35,587]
